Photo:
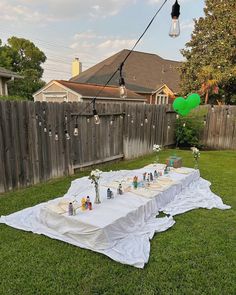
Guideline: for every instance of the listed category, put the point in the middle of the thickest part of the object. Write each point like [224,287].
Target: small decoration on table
[71,209]
[95,176]
[157,149]
[155,174]
[83,204]
[120,190]
[109,194]
[151,176]
[88,203]
[196,156]
[166,170]
[144,176]
[135,182]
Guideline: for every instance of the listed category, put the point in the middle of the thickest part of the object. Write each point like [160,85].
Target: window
[161,99]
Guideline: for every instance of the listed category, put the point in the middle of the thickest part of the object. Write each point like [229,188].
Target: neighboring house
[66,91]
[149,75]
[5,76]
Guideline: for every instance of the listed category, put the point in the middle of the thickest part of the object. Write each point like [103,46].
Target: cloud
[55,10]
[187,25]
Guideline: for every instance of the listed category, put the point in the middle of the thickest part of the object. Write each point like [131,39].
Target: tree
[212,49]
[22,56]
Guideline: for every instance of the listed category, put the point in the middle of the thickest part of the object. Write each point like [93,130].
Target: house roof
[143,72]
[92,90]
[8,74]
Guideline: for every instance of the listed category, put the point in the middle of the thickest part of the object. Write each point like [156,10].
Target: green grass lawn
[196,256]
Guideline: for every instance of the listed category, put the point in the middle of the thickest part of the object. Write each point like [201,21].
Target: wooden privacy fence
[220,126]
[29,155]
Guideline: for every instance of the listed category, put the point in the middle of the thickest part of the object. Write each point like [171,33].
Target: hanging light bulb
[112,120]
[205,121]
[76,130]
[184,125]
[175,28]
[228,114]
[56,136]
[177,116]
[141,124]
[153,126]
[132,121]
[50,133]
[45,129]
[67,135]
[122,116]
[123,90]
[96,117]
[168,127]
[212,108]
[40,123]
[36,116]
[66,118]
[146,119]
[88,119]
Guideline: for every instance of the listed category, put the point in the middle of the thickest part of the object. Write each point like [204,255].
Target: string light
[40,123]
[132,121]
[50,133]
[45,129]
[146,119]
[153,126]
[112,120]
[66,118]
[184,125]
[88,120]
[141,124]
[56,136]
[227,114]
[168,127]
[76,129]
[67,135]
[175,28]
[123,90]
[212,108]
[177,116]
[205,121]
[95,115]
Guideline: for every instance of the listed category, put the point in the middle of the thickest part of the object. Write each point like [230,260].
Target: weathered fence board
[28,155]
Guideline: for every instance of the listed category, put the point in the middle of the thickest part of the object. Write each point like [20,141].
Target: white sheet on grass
[120,228]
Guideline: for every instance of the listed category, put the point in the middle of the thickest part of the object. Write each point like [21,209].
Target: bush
[12,97]
[188,131]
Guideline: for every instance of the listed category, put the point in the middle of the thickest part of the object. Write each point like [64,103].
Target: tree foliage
[22,56]
[211,53]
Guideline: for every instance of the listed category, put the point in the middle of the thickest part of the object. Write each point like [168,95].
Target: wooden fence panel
[28,155]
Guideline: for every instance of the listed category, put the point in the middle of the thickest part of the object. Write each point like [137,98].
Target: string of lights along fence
[174,32]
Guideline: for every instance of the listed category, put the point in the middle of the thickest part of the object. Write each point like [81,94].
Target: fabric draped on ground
[120,228]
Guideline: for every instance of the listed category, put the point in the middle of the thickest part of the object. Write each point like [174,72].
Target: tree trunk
[207,97]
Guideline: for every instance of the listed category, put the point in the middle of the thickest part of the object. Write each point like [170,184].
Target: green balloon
[184,112]
[193,100]
[179,104]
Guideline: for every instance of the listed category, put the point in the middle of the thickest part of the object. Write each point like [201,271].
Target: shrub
[188,131]
[12,97]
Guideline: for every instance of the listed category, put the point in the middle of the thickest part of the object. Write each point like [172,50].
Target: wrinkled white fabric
[121,227]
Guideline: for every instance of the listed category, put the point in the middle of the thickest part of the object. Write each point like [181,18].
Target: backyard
[195,256]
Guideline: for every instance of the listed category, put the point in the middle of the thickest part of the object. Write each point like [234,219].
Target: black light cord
[93,101]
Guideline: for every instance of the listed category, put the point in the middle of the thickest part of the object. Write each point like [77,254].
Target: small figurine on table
[135,181]
[120,190]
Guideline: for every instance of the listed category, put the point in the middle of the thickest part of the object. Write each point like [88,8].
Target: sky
[93,30]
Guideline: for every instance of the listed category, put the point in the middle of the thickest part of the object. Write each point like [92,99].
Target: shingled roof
[143,72]
[91,90]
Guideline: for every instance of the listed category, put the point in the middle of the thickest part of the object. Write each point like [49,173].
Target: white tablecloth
[121,227]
